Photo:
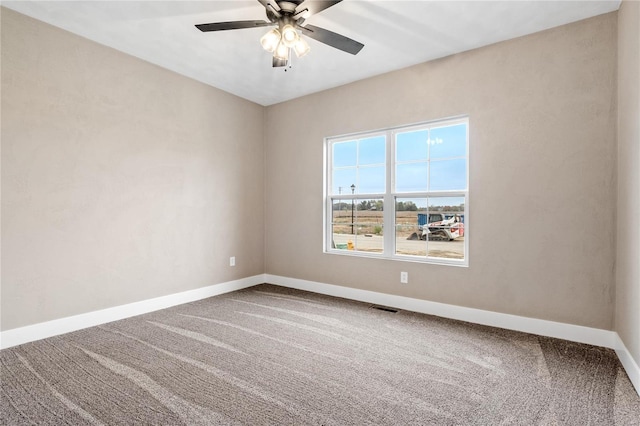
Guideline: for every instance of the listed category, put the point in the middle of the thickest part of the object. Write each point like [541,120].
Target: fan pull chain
[289,62]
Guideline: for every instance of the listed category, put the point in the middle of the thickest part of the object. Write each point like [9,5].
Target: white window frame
[389,197]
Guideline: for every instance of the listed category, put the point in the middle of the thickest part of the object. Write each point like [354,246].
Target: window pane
[371,151]
[365,233]
[448,175]
[371,180]
[344,154]
[368,227]
[450,141]
[446,234]
[342,180]
[409,218]
[360,163]
[412,146]
[411,177]
[340,223]
[341,211]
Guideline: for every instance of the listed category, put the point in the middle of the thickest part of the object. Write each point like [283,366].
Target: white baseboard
[629,364]
[574,333]
[18,336]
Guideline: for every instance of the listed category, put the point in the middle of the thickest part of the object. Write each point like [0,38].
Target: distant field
[368,222]
[368,234]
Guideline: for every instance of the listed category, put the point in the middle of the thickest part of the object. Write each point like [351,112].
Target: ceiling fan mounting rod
[285,14]
[288,6]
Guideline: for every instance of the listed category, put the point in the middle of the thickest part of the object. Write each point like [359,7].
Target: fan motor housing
[288,6]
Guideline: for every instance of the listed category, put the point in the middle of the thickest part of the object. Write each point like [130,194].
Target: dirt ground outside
[367,234]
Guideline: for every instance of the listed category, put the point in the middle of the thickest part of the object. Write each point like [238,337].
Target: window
[399,193]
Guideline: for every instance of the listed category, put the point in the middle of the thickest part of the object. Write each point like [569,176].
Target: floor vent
[383,308]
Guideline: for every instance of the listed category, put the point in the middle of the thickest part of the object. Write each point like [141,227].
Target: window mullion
[389,199]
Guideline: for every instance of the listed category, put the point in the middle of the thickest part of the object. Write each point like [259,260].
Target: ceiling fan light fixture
[270,40]
[301,47]
[281,52]
[289,35]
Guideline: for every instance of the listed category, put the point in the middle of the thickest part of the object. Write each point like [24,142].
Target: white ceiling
[396,34]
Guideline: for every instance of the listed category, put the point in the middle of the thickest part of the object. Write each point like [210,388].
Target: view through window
[421,172]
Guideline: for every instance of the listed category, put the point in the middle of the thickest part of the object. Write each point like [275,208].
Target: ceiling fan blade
[332,39]
[233,25]
[315,6]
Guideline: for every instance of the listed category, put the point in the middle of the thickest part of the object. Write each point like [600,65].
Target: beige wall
[627,321]
[542,175]
[121,181]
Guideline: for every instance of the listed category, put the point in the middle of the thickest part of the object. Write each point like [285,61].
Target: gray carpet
[269,356]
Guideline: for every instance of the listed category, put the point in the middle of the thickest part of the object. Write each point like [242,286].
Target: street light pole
[353,188]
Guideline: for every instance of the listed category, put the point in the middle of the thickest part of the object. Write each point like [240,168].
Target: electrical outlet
[232,261]
[404,277]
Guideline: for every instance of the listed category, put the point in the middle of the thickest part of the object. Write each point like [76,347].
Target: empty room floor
[272,355]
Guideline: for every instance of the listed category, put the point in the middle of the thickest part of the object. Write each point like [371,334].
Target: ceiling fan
[289,16]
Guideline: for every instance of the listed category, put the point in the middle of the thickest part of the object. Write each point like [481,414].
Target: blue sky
[362,162]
